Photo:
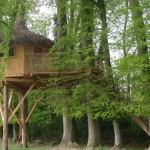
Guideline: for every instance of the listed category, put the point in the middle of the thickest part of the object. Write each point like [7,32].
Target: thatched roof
[22,35]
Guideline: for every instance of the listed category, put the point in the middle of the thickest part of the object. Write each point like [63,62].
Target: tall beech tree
[142,51]
[104,49]
[87,27]
[68,134]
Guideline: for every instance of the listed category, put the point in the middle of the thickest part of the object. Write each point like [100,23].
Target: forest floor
[48,146]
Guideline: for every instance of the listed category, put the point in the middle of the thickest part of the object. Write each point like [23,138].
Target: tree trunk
[5,119]
[61,18]
[117,132]
[68,131]
[15,133]
[139,27]
[140,34]
[104,45]
[93,133]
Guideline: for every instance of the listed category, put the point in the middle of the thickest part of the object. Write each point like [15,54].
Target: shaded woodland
[93,76]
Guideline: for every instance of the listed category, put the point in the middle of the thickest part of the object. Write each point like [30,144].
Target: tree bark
[117,132]
[93,133]
[5,120]
[68,131]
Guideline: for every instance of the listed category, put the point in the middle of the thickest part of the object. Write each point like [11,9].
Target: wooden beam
[1,107]
[13,85]
[33,108]
[1,93]
[21,101]
[1,111]
[5,119]
[24,80]
[16,117]
[68,72]
[10,97]
[142,124]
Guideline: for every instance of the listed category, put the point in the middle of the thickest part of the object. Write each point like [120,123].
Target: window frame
[14,52]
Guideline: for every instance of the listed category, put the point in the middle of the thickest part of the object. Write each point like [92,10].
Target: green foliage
[136,68]
[59,100]
[42,115]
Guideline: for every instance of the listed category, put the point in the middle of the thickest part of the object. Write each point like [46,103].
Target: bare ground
[74,147]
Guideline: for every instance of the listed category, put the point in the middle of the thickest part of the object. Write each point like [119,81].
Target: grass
[16,146]
[48,146]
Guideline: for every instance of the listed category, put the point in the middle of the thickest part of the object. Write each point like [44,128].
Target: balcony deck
[42,71]
[44,65]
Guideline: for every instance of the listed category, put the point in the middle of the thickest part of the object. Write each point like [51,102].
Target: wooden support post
[5,119]
[23,118]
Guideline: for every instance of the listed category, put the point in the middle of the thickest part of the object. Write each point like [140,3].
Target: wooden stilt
[5,119]
[24,127]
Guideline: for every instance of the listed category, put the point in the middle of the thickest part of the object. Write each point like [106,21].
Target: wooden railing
[39,62]
[45,63]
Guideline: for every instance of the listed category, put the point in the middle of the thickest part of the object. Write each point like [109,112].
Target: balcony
[39,63]
[45,64]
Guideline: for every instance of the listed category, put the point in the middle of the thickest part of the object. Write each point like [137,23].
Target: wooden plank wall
[16,63]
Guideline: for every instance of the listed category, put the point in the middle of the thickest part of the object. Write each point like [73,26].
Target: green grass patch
[47,146]
[17,146]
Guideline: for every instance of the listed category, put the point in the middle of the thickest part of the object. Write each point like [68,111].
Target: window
[11,52]
[38,50]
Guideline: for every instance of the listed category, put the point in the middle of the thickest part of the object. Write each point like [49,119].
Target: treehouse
[28,53]
[30,66]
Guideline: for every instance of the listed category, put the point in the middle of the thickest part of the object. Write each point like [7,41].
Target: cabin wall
[21,65]
[16,63]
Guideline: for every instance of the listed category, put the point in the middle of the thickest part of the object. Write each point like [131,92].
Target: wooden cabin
[30,62]
[28,53]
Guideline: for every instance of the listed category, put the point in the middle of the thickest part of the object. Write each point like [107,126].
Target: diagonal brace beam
[16,117]
[33,108]
[22,100]
[10,97]
[142,124]
[1,107]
